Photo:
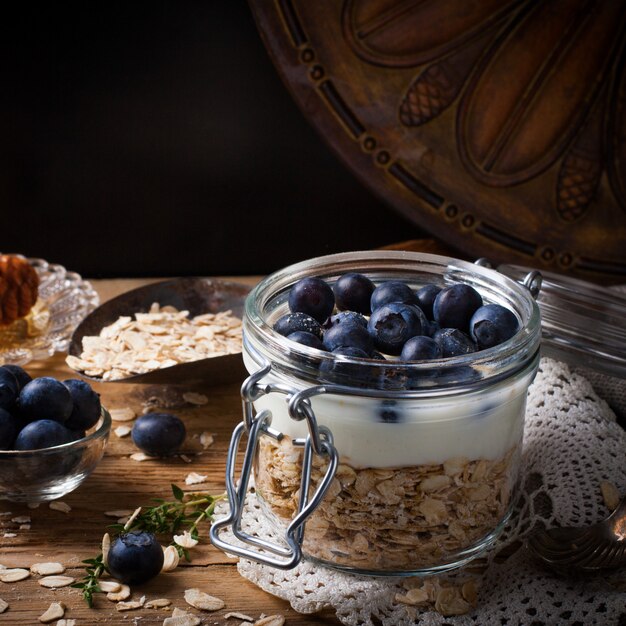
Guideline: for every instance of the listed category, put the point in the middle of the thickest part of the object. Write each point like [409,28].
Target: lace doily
[572,443]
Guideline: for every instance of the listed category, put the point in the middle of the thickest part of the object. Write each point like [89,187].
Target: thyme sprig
[185,513]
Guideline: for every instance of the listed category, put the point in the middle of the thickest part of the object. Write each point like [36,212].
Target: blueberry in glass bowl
[48,446]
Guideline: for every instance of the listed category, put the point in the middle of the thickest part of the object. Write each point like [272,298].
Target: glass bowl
[50,473]
[65,299]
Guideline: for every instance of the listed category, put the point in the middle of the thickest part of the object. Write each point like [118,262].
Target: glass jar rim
[487,366]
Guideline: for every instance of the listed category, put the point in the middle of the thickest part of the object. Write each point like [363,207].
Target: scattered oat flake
[24,527]
[6,513]
[185,458]
[181,618]
[158,603]
[125,414]
[206,439]
[270,620]
[4,605]
[46,569]
[21,519]
[106,545]
[54,582]
[66,622]
[119,513]
[33,505]
[55,611]
[141,456]
[170,559]
[109,586]
[122,594]
[132,518]
[132,605]
[60,506]
[610,495]
[195,398]
[242,616]
[13,575]
[185,540]
[9,535]
[201,600]
[122,431]
[194,479]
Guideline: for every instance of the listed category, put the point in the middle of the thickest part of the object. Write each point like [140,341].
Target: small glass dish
[65,299]
[50,473]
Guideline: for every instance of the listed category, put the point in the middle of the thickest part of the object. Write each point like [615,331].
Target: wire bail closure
[319,441]
[532,280]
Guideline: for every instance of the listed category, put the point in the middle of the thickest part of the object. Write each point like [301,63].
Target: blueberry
[338,371]
[75,435]
[158,434]
[453,342]
[392,324]
[353,293]
[291,322]
[351,351]
[306,339]
[455,305]
[42,434]
[392,291]
[8,430]
[426,297]
[9,388]
[45,399]
[492,324]
[420,348]
[86,405]
[312,296]
[348,335]
[135,557]
[389,413]
[431,329]
[348,317]
[21,375]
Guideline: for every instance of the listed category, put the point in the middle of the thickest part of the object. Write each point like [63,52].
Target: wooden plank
[122,483]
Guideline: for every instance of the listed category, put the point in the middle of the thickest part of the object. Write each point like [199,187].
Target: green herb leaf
[179,494]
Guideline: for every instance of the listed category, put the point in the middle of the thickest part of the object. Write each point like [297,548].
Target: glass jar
[412,466]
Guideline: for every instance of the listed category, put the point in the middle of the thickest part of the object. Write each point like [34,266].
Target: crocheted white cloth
[571,444]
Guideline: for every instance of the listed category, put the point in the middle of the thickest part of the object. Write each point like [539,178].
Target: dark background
[156,138]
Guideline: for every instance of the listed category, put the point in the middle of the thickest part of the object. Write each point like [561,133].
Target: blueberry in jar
[353,292]
[420,348]
[426,297]
[306,339]
[21,375]
[342,372]
[312,296]
[391,325]
[42,434]
[9,388]
[45,398]
[8,430]
[454,306]
[86,405]
[347,317]
[292,322]
[492,324]
[453,342]
[348,336]
[158,434]
[135,557]
[392,291]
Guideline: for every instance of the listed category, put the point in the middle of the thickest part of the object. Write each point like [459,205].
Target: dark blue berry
[135,557]
[306,339]
[312,296]
[492,324]
[348,335]
[77,434]
[455,305]
[392,324]
[420,348]
[86,410]
[42,434]
[21,375]
[353,293]
[351,352]
[8,430]
[426,297]
[45,399]
[347,317]
[292,322]
[389,413]
[453,342]
[392,291]
[158,434]
[9,388]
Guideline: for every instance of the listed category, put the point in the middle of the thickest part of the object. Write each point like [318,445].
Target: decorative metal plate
[499,126]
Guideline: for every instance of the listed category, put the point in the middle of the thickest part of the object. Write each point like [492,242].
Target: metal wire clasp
[319,441]
[532,280]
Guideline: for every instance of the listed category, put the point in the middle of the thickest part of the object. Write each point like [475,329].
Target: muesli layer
[402,518]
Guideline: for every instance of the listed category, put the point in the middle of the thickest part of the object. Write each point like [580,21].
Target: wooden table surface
[122,483]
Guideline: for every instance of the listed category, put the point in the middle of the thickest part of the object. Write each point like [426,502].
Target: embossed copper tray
[499,126]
